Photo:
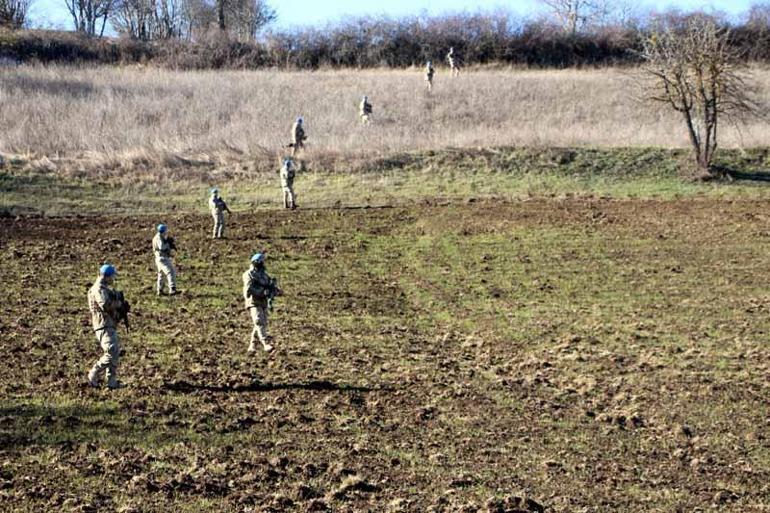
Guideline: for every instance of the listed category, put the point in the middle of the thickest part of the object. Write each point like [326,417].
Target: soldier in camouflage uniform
[365,111]
[217,206]
[454,62]
[104,304]
[429,72]
[298,136]
[258,289]
[287,184]
[161,247]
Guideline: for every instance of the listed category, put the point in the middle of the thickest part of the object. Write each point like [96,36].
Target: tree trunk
[221,14]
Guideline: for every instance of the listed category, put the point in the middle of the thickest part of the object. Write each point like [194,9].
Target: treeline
[376,42]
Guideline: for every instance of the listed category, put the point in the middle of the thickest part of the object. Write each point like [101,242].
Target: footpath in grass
[585,354]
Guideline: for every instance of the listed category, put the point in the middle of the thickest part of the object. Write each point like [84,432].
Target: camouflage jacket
[287,176]
[217,205]
[161,247]
[103,304]
[297,133]
[256,286]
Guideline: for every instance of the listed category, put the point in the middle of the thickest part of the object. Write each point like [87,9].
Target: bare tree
[243,19]
[694,70]
[13,13]
[90,16]
[148,19]
[574,15]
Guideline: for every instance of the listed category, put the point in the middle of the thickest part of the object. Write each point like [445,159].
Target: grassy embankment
[445,175]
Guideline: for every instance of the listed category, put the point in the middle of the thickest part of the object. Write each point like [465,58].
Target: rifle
[171,243]
[123,311]
[272,292]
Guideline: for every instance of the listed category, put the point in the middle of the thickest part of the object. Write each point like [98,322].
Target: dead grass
[112,115]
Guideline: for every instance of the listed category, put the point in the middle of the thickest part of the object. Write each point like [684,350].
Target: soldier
[365,111]
[287,184]
[429,71]
[162,245]
[105,305]
[298,136]
[259,289]
[217,206]
[454,62]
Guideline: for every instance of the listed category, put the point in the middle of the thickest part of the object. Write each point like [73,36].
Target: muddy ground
[547,355]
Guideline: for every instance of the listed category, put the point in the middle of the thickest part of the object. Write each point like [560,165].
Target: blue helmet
[258,258]
[300,120]
[162,228]
[214,190]
[107,270]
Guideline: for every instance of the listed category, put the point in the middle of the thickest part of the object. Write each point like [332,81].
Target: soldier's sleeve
[246,285]
[107,302]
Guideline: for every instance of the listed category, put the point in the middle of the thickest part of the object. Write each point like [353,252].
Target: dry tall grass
[129,113]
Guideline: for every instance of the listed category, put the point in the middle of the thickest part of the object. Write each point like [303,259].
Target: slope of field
[588,355]
[116,114]
[30,188]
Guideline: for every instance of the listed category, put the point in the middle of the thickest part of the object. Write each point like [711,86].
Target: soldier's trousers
[166,268]
[365,119]
[288,197]
[259,318]
[108,363]
[219,224]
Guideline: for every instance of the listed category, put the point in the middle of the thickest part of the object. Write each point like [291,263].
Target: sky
[53,13]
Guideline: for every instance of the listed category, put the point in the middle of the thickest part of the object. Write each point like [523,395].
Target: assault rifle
[272,292]
[123,311]
[171,243]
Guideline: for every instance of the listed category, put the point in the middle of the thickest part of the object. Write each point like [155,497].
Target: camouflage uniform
[162,250]
[104,304]
[298,137]
[256,285]
[287,184]
[217,206]
[365,111]
[429,71]
[454,62]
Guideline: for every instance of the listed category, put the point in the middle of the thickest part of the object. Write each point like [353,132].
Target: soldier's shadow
[260,386]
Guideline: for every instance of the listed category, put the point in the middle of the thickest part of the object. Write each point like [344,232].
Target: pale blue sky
[52,13]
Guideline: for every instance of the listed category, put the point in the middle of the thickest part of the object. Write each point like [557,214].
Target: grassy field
[108,118]
[400,179]
[468,325]
[586,354]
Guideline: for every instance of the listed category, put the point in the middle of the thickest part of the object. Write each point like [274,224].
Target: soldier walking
[429,72]
[298,136]
[217,206]
[105,305]
[162,245]
[259,289]
[365,110]
[454,62]
[287,184]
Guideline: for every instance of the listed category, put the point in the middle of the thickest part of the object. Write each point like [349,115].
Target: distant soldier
[217,206]
[429,72]
[298,136]
[287,184]
[454,62]
[259,290]
[162,245]
[107,307]
[365,110]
